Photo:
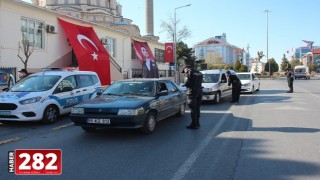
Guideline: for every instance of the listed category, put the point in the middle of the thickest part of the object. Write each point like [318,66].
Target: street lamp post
[175,42]
[267,11]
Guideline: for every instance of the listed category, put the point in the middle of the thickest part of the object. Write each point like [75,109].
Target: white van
[215,85]
[46,95]
[301,72]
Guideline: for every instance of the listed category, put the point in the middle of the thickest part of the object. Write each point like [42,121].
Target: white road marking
[10,140]
[62,126]
[185,168]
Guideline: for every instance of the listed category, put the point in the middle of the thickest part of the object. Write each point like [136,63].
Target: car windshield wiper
[135,94]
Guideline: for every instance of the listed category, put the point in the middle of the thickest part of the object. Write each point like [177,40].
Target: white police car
[43,96]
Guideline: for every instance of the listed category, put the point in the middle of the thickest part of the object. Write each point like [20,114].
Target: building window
[77,2]
[159,55]
[32,31]
[111,46]
[66,1]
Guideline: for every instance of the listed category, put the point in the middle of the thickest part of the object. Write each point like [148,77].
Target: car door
[173,97]
[225,89]
[165,100]
[86,86]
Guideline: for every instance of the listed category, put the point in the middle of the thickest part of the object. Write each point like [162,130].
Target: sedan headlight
[76,110]
[131,111]
[30,100]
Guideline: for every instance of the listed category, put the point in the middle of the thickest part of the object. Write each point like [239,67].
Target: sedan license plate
[5,113]
[98,121]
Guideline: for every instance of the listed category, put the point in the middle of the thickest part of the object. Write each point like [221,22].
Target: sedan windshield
[137,88]
[244,76]
[36,83]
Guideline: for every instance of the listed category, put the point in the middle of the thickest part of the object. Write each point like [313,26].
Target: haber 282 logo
[35,161]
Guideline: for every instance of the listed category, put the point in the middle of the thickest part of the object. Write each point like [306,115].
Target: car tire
[217,98]
[149,124]
[182,110]
[89,129]
[50,114]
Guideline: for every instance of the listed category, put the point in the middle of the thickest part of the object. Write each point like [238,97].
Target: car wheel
[149,123]
[217,97]
[50,114]
[89,129]
[182,110]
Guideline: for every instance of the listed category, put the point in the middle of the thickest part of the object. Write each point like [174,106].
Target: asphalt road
[267,135]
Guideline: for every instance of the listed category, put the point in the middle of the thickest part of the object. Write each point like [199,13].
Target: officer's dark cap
[228,72]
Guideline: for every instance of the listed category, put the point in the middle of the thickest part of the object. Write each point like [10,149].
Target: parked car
[46,95]
[132,103]
[250,82]
[215,85]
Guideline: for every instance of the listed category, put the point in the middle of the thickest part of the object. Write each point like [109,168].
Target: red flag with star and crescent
[168,53]
[90,53]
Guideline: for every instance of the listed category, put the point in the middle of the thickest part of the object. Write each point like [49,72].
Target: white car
[215,85]
[46,95]
[250,82]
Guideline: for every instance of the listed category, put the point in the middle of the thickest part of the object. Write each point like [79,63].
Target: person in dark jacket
[290,78]
[194,85]
[236,86]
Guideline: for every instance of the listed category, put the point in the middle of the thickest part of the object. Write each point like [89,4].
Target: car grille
[8,106]
[102,111]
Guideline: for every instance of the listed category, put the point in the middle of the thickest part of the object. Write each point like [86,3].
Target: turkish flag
[140,48]
[90,53]
[168,53]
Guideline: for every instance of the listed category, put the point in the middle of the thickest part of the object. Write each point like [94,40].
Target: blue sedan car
[133,103]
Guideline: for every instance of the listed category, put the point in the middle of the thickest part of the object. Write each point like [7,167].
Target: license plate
[98,121]
[5,113]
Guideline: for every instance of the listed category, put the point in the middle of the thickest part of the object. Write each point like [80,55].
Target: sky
[244,22]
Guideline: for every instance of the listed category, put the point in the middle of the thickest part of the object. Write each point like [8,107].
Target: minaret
[149,18]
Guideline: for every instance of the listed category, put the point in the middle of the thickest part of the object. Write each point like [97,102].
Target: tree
[243,68]
[284,63]
[27,49]
[237,65]
[185,54]
[273,64]
[168,27]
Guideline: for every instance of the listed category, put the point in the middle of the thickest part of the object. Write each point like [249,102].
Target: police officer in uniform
[194,85]
[236,86]
[290,78]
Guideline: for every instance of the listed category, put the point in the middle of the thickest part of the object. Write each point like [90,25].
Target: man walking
[194,85]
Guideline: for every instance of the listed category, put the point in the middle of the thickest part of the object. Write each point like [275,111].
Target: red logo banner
[90,53]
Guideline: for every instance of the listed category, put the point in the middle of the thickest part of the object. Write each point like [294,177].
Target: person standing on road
[194,85]
[236,86]
[290,78]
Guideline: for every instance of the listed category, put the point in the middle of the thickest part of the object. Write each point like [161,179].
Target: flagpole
[267,11]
